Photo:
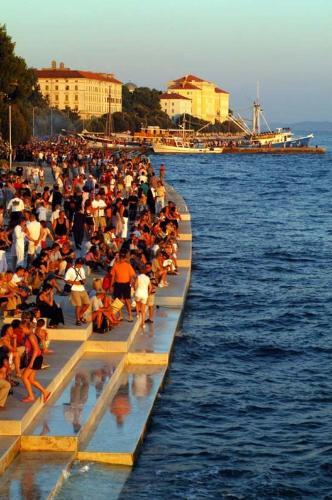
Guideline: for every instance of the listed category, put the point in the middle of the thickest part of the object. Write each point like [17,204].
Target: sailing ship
[280,138]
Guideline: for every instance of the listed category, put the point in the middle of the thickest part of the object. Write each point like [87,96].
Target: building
[208,102]
[175,104]
[83,91]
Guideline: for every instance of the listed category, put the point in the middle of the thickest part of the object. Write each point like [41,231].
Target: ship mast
[256,114]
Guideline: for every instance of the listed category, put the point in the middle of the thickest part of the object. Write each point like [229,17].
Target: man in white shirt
[19,234]
[55,214]
[15,207]
[34,231]
[128,182]
[98,205]
[75,276]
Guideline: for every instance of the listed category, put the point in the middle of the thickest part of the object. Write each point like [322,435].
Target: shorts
[150,301]
[122,291]
[141,298]
[79,299]
[37,364]
[100,222]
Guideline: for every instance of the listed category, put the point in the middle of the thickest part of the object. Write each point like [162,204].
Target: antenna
[257,91]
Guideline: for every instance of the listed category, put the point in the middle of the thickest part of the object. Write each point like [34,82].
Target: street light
[10,136]
[51,123]
[33,121]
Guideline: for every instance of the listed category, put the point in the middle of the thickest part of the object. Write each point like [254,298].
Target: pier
[275,151]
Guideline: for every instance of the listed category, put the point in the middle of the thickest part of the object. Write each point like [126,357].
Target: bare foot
[27,400]
[46,397]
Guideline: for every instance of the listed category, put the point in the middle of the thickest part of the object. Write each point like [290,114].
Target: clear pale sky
[286,45]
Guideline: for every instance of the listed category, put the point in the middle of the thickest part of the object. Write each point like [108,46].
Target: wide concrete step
[185,228]
[18,416]
[9,448]
[33,475]
[59,424]
[153,345]
[119,339]
[79,481]
[174,295]
[184,254]
[120,430]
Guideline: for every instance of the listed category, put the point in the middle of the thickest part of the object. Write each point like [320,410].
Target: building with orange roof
[208,102]
[86,92]
[175,104]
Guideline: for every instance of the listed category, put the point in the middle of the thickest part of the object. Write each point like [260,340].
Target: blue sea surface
[246,412]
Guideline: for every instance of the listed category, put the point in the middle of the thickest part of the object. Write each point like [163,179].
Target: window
[67,87]
[56,97]
[76,87]
[76,97]
[46,87]
[57,87]
[66,98]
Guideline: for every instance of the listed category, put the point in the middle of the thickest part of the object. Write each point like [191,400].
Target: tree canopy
[19,88]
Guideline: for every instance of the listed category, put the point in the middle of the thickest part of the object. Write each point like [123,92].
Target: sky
[285,45]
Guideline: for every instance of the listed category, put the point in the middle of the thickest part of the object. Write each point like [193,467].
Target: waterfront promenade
[103,386]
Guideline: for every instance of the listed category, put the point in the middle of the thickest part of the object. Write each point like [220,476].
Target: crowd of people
[68,213]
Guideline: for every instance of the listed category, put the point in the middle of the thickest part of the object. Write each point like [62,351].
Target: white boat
[179,146]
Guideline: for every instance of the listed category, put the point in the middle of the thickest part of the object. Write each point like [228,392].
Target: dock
[275,151]
[103,389]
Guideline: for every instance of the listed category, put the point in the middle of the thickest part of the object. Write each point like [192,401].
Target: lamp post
[33,121]
[51,122]
[10,135]
[109,120]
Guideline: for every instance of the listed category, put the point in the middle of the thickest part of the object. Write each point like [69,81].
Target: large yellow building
[83,91]
[208,102]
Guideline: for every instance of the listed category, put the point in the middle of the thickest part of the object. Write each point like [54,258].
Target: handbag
[117,305]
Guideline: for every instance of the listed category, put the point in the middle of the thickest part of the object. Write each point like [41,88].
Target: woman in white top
[142,290]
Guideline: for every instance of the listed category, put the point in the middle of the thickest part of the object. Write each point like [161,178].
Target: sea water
[246,412]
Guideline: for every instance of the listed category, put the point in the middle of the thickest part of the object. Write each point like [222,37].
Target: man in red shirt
[122,277]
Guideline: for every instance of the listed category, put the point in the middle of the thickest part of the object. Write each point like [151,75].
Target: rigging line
[268,126]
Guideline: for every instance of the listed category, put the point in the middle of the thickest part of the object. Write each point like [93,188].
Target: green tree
[19,88]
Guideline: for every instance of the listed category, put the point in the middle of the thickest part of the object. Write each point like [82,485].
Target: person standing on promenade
[19,234]
[122,277]
[142,291]
[34,362]
[98,205]
[15,207]
[75,277]
[5,386]
[34,231]
[162,172]
[78,227]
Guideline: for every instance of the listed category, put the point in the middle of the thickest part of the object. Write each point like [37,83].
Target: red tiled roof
[220,91]
[72,73]
[189,78]
[184,85]
[173,96]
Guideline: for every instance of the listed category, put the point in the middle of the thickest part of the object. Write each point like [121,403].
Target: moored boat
[179,146]
[282,137]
